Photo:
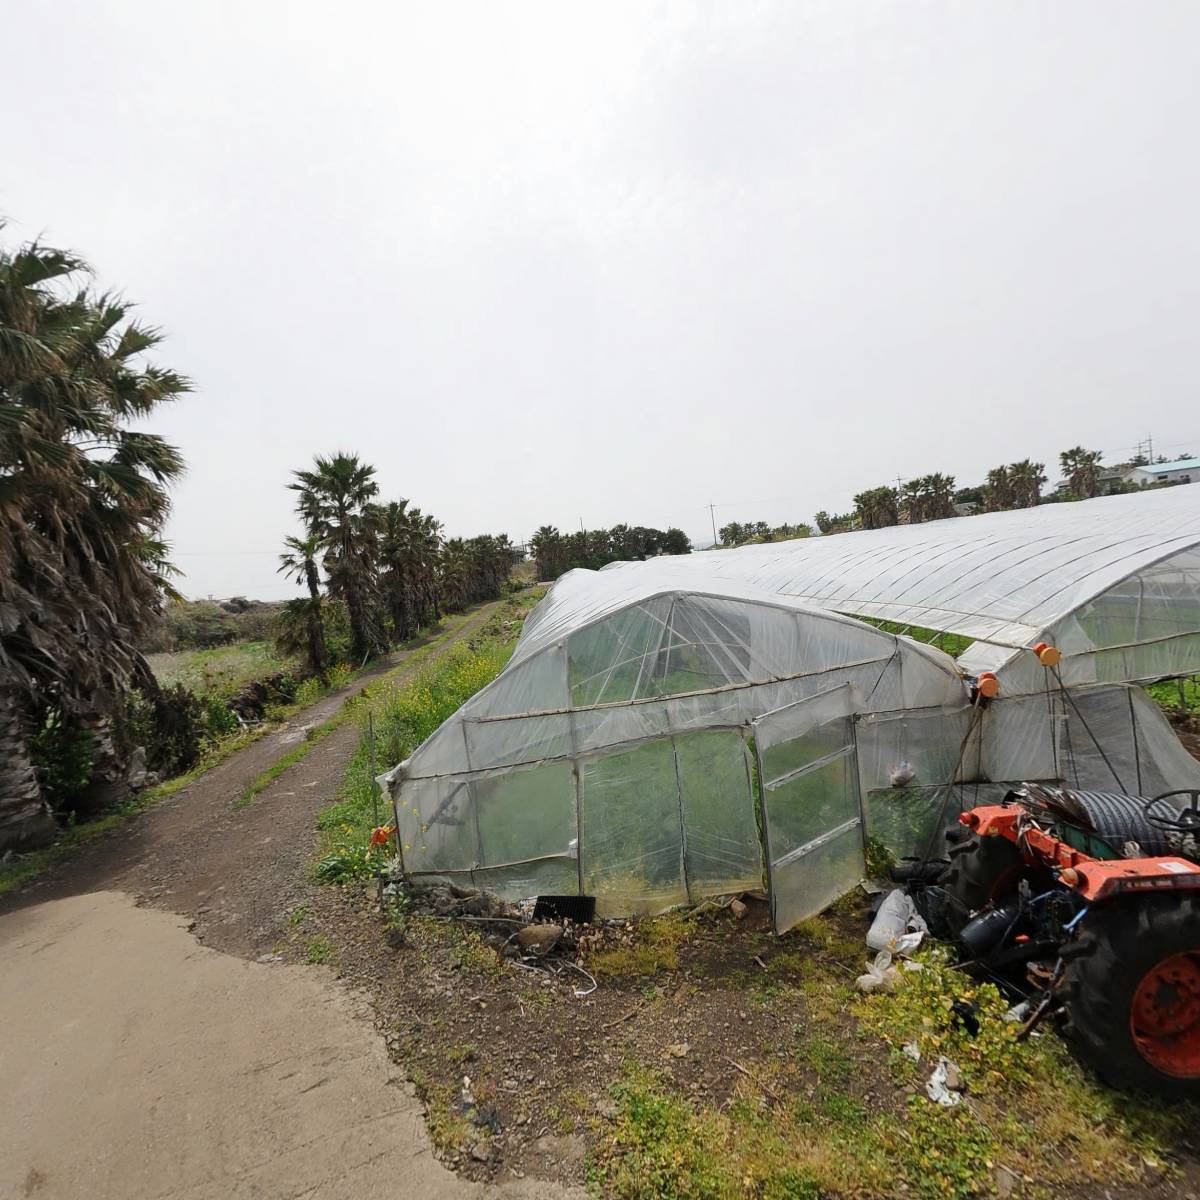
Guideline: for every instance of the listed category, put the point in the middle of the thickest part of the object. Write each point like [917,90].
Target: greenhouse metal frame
[725,721]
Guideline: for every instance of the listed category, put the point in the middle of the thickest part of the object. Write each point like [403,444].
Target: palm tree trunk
[109,782]
[358,632]
[25,818]
[318,653]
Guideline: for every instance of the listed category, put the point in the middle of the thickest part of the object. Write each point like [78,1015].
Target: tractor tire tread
[1116,945]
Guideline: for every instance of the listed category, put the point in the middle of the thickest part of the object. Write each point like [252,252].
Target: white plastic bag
[897,927]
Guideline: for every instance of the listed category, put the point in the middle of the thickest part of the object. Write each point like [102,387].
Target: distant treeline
[1008,486]
[385,564]
[557,552]
[737,533]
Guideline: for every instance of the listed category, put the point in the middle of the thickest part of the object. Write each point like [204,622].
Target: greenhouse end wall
[616,759]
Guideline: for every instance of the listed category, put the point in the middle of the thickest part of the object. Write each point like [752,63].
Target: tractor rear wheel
[1132,991]
[982,869]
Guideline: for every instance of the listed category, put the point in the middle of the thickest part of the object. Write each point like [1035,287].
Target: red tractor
[1095,898]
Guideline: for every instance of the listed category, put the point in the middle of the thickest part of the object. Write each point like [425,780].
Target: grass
[655,949]
[448,1129]
[469,952]
[290,759]
[1179,697]
[318,949]
[221,670]
[20,869]
[405,712]
[953,644]
[834,1108]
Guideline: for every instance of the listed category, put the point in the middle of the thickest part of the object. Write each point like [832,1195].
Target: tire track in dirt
[233,871]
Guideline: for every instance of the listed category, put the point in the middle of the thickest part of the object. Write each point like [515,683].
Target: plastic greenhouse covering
[719,722]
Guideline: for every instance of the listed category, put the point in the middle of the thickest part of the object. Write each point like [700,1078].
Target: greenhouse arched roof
[1003,577]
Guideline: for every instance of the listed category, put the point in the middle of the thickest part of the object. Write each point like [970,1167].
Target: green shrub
[62,753]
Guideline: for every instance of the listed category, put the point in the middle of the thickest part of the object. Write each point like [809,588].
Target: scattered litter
[539,939]
[581,992]
[881,975]
[912,1050]
[873,887]
[944,1084]
[1017,1013]
[898,926]
[968,1016]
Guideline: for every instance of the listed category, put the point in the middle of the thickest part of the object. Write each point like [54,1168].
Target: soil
[544,1057]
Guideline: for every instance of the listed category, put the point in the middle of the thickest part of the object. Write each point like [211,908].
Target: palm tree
[299,562]
[409,544]
[998,490]
[877,508]
[1026,478]
[1081,467]
[335,502]
[549,550]
[938,492]
[82,498]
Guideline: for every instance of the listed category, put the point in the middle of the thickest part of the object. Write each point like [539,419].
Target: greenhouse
[725,721]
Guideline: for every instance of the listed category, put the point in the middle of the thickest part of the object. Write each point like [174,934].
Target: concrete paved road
[136,1064]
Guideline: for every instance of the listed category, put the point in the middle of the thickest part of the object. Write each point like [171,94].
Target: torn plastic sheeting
[943,1084]
[898,927]
[881,975]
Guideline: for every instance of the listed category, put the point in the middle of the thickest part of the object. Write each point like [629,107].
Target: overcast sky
[610,262]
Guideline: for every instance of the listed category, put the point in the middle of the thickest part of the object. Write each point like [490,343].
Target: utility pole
[712,515]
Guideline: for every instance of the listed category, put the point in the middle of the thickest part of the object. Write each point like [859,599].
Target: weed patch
[404,715]
[655,948]
[318,949]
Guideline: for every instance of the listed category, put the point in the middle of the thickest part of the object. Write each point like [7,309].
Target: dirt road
[139,1065]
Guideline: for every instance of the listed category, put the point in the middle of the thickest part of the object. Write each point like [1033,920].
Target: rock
[541,939]
[738,909]
[954,1079]
[481,1152]
[569,1149]
[678,1050]
[136,777]
[1004,1180]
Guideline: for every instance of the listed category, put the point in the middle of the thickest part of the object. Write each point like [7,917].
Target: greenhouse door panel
[811,812]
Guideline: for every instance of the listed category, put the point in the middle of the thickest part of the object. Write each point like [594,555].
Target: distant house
[1107,479]
[1183,471]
